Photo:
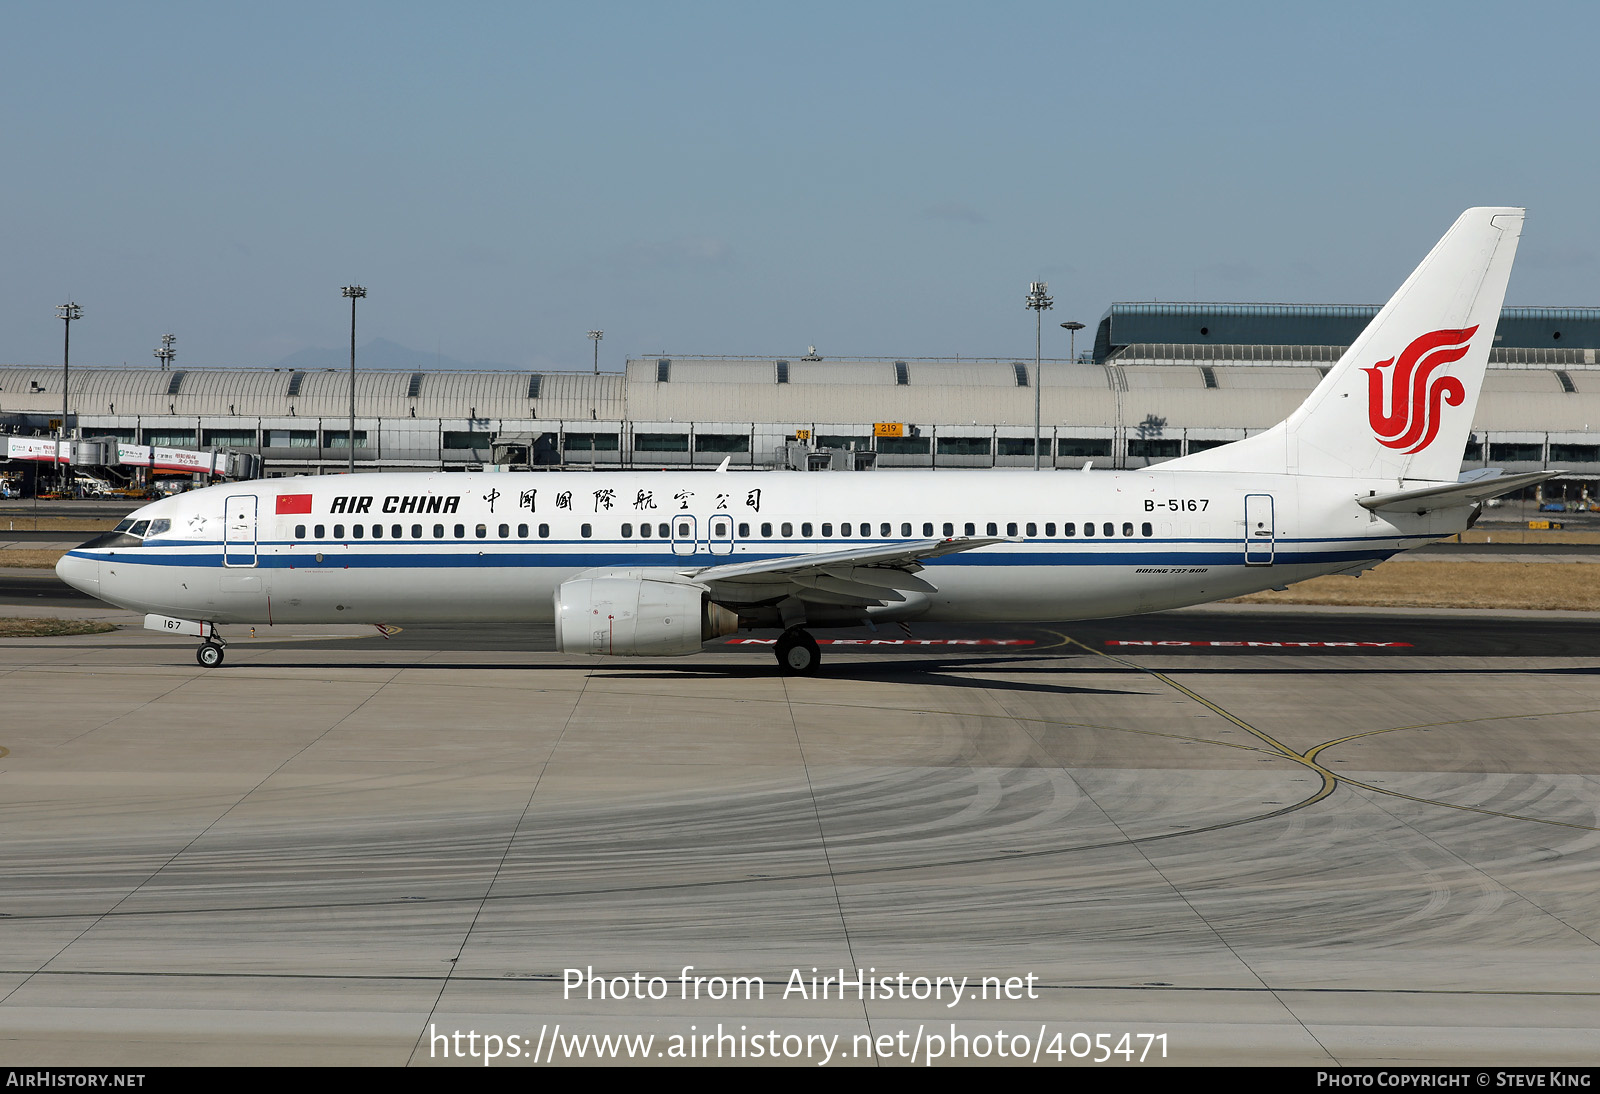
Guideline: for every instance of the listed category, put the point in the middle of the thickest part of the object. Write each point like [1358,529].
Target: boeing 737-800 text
[652,563]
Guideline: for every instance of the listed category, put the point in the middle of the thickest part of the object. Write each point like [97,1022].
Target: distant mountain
[380,353]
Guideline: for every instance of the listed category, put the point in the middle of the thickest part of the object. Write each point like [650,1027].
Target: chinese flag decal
[294,503]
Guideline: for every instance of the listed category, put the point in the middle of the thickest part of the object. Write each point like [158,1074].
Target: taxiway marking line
[1331,778]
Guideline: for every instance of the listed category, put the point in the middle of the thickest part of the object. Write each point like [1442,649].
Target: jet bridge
[109,452]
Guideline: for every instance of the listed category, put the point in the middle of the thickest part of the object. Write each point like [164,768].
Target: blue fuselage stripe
[563,557]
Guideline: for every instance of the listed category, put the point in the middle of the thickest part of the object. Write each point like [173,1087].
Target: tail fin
[1399,403]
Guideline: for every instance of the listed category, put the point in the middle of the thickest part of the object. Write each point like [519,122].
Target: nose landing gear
[211,645]
[210,652]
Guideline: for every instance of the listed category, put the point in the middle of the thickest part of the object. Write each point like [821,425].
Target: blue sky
[752,178]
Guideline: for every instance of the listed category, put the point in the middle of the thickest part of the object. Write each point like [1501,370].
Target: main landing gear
[797,653]
[210,652]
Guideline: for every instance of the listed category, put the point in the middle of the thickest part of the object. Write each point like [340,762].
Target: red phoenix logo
[1415,394]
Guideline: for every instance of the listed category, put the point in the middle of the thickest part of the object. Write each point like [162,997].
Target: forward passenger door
[239,530]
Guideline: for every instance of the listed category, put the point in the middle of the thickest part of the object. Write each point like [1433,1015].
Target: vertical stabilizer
[1399,404]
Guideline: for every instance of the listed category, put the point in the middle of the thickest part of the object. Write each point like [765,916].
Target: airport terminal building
[1162,380]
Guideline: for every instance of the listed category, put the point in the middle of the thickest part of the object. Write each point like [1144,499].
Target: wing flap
[828,583]
[853,577]
[882,577]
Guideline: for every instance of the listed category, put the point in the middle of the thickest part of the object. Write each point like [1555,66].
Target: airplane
[657,563]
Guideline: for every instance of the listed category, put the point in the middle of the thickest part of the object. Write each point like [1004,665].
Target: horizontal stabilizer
[1454,495]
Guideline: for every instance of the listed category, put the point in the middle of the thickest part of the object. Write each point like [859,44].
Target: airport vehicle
[655,563]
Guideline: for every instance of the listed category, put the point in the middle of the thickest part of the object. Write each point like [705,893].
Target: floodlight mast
[354,292]
[1039,301]
[66,313]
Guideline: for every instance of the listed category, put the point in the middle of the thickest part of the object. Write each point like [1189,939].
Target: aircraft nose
[81,573]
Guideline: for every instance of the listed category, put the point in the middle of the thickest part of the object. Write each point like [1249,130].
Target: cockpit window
[124,526]
[157,527]
[138,528]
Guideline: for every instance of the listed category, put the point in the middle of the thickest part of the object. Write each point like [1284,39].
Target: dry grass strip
[1421,583]
[51,628]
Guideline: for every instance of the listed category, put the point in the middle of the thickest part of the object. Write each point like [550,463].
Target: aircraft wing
[855,577]
[1456,494]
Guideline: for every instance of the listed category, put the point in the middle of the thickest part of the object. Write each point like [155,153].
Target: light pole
[66,313]
[354,292]
[166,354]
[594,406]
[1074,327]
[1039,302]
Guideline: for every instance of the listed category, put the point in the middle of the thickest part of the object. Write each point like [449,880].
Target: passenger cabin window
[971,529]
[927,528]
[544,531]
[522,531]
[627,531]
[905,529]
[483,531]
[1146,530]
[461,531]
[805,530]
[1088,528]
[587,531]
[883,531]
[377,531]
[438,531]
[949,529]
[827,531]
[320,532]
[744,531]
[1108,528]
[358,530]
[1011,528]
[1127,529]
[299,531]
[994,529]
[396,531]
[1069,529]
[338,531]
[683,530]
[644,531]
[787,530]
[766,529]
[1031,529]
[1049,528]
[505,531]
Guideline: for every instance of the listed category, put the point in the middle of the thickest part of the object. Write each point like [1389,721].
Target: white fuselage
[413,548]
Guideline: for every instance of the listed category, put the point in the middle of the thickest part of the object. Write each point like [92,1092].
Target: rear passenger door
[1260,538]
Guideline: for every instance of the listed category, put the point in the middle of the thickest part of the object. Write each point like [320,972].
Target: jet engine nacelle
[633,616]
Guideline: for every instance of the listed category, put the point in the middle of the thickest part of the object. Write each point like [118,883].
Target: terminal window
[1079,447]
